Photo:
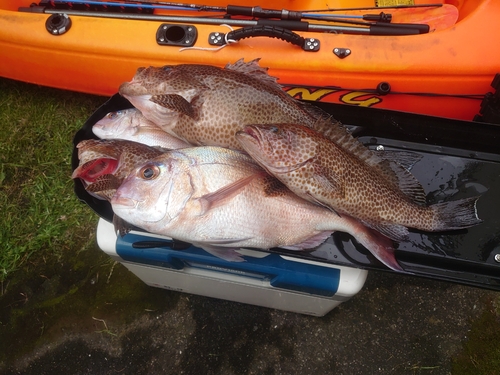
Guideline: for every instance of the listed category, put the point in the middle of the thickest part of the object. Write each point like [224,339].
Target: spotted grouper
[207,105]
[221,200]
[352,181]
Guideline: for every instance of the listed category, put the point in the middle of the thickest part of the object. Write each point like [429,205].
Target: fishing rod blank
[434,5]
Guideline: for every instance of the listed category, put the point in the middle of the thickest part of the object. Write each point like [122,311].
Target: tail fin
[456,214]
[380,246]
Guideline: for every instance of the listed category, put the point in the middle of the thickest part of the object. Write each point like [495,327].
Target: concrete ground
[88,315]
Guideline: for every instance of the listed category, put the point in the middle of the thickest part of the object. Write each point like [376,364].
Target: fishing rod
[233,10]
[287,19]
[371,29]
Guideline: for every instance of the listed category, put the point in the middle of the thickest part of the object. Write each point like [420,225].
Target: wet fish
[221,200]
[352,181]
[206,105]
[131,125]
[104,164]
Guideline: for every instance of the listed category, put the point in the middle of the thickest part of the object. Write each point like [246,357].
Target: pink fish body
[221,200]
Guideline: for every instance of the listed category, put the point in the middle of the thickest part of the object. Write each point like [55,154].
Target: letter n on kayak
[308,93]
[360,98]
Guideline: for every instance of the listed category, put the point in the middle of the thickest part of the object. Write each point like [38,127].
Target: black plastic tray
[459,159]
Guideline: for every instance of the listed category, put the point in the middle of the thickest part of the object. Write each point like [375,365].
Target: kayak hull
[442,73]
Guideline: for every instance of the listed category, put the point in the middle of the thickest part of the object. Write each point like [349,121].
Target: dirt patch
[87,315]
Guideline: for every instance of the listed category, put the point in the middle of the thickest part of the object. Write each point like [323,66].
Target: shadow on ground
[87,315]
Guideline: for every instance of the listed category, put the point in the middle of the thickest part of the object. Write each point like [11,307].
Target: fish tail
[455,214]
[379,245]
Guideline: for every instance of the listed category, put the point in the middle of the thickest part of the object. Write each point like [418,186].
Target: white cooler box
[264,279]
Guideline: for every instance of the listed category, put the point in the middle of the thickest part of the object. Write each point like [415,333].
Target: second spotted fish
[351,181]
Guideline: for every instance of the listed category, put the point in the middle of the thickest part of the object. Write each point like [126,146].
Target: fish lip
[123,201]
[253,132]
[76,173]
[131,88]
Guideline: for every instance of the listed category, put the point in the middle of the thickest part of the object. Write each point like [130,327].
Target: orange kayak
[93,48]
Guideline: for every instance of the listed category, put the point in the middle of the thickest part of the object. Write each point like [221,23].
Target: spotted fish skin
[319,170]
[104,164]
[221,200]
[206,105]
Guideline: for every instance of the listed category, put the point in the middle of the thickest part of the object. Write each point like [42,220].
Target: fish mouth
[92,169]
[123,202]
[251,133]
[131,88]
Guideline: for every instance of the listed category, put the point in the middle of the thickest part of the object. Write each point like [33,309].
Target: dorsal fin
[253,69]
[317,113]
[407,183]
[337,133]
[407,159]
[384,164]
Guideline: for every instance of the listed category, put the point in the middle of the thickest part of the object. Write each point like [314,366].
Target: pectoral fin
[175,103]
[329,181]
[221,196]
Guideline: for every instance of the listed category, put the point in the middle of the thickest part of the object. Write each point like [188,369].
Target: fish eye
[112,115]
[149,172]
[274,129]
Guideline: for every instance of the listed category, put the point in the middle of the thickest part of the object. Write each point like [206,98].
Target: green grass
[40,212]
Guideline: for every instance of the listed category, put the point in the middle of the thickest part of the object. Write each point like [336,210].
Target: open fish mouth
[92,169]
